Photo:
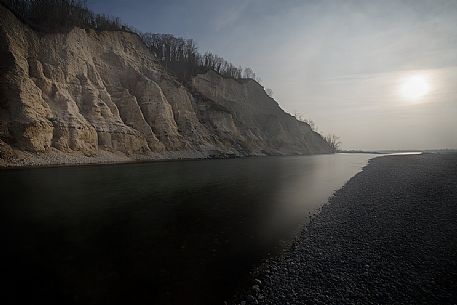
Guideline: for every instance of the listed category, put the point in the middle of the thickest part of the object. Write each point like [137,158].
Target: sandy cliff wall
[261,125]
[89,92]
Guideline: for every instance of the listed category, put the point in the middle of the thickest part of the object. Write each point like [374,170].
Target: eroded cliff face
[91,92]
[258,122]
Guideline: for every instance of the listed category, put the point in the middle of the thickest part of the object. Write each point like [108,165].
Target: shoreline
[398,205]
[34,160]
[55,158]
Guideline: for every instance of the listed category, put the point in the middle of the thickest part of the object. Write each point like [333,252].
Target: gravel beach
[389,236]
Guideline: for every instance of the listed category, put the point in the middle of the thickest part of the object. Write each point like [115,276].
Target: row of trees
[182,57]
[61,15]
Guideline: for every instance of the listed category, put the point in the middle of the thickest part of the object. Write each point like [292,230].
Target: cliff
[88,96]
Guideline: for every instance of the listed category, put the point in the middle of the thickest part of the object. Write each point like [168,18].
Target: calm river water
[184,232]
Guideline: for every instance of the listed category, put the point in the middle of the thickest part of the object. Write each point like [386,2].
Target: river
[181,232]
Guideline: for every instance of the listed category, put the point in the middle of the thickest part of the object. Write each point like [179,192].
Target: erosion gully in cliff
[88,96]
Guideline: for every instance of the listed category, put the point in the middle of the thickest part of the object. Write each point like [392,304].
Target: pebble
[382,237]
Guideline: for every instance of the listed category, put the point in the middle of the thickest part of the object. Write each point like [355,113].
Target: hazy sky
[344,63]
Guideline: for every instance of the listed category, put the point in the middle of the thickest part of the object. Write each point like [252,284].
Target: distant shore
[389,236]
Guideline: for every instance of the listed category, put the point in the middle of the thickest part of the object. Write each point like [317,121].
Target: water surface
[184,232]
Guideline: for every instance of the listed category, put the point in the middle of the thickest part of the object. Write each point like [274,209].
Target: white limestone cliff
[90,94]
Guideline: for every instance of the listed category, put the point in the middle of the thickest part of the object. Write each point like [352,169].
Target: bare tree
[248,73]
[333,141]
[311,123]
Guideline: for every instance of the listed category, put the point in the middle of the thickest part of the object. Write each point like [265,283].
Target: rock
[87,91]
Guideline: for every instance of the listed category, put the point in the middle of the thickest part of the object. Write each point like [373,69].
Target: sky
[378,74]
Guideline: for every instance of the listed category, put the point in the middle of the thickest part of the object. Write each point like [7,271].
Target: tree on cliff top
[181,56]
[333,141]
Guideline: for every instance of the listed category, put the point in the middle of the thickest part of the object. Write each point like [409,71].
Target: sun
[414,87]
